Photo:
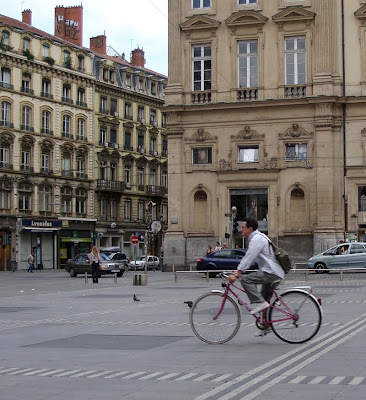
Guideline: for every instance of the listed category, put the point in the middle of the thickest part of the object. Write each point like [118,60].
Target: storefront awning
[76,240]
[34,229]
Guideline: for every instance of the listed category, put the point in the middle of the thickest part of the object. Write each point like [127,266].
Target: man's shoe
[263,332]
[260,307]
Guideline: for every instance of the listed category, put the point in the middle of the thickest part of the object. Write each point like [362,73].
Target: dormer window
[128,81]
[5,38]
[45,50]
[26,44]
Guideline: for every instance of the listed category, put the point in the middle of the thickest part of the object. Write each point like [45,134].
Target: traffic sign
[134,239]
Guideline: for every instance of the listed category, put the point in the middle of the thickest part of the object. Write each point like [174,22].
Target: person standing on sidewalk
[269,270]
[31,262]
[94,259]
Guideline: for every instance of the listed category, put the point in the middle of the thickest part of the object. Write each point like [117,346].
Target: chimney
[69,24]
[99,44]
[27,17]
[138,58]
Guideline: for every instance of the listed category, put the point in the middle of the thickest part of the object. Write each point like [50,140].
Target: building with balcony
[265,105]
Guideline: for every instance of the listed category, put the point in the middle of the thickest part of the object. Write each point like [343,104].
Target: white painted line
[83,374]
[134,375]
[298,379]
[52,372]
[163,378]
[316,380]
[37,371]
[67,373]
[336,380]
[221,378]
[2,371]
[117,374]
[151,375]
[184,377]
[99,374]
[201,378]
[357,380]
[20,371]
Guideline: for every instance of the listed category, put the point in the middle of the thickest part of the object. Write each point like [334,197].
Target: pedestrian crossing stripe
[173,376]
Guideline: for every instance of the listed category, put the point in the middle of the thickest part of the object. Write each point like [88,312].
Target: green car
[345,255]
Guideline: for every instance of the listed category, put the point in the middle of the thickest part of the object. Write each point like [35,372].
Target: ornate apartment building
[77,165]
[266,112]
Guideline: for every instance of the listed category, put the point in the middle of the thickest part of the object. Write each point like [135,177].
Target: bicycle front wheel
[210,327]
[307,313]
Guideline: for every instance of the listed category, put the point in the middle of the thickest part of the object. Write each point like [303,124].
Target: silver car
[140,262]
[345,255]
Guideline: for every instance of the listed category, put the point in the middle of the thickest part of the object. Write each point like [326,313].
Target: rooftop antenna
[131,43]
[22,5]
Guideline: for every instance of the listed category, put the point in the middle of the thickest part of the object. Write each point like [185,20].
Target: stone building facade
[66,142]
[265,105]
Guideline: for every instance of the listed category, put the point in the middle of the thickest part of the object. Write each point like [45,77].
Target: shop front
[76,236]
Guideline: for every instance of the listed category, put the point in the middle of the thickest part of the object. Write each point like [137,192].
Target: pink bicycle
[295,315]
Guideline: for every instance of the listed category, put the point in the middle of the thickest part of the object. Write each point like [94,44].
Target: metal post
[207,276]
[307,274]
[175,277]
[115,277]
[341,275]
[86,277]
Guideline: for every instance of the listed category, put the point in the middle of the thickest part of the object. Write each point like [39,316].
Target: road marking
[66,373]
[221,378]
[163,378]
[54,371]
[185,377]
[134,375]
[37,371]
[153,375]
[298,379]
[20,371]
[83,374]
[201,378]
[357,380]
[336,380]
[99,374]
[117,375]
[316,380]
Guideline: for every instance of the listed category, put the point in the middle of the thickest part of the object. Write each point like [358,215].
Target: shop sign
[36,223]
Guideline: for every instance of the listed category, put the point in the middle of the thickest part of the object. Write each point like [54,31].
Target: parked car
[115,254]
[139,263]
[222,260]
[80,264]
[345,255]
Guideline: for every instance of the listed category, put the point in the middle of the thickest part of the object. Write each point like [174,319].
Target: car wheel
[72,273]
[320,268]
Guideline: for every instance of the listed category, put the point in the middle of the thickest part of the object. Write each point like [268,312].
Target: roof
[4,20]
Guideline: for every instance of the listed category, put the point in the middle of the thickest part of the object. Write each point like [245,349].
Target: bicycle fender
[298,289]
[218,291]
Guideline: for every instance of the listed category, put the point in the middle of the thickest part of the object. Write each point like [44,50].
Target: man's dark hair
[251,223]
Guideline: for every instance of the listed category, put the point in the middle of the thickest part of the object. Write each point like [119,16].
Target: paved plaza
[64,338]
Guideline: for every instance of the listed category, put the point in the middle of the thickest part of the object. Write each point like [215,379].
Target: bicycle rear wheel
[307,311]
[210,330]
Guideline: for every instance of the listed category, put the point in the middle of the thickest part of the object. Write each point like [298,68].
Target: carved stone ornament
[361,14]
[82,150]
[201,136]
[248,134]
[225,165]
[295,132]
[246,18]
[363,132]
[47,145]
[6,138]
[199,22]
[293,13]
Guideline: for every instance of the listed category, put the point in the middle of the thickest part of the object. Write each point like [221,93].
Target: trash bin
[140,279]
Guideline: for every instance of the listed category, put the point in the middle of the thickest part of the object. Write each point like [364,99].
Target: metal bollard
[115,277]
[175,277]
[86,277]
[306,274]
[341,275]
[207,276]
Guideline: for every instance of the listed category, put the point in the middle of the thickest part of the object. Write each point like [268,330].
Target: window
[45,195]
[66,200]
[128,81]
[128,175]
[152,177]
[46,122]
[153,88]
[127,145]
[127,206]
[80,63]
[153,117]
[81,129]
[113,106]
[128,111]
[66,93]
[81,97]
[248,154]
[66,59]
[141,114]
[111,76]
[248,64]
[141,85]
[140,176]
[201,67]
[140,210]
[296,151]
[25,197]
[164,148]
[113,172]
[46,88]
[103,105]
[295,60]
[45,161]
[247,2]
[26,83]
[80,167]
[153,146]
[66,126]
[201,3]
[26,118]
[140,143]
[5,114]
[103,135]
[26,44]
[165,212]
[113,136]
[80,201]
[4,156]
[202,155]
[103,170]
[103,208]
[5,192]
[45,50]
[26,160]
[5,78]
[5,38]
[164,179]
[113,209]
[66,164]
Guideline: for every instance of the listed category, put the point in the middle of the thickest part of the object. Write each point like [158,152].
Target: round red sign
[134,239]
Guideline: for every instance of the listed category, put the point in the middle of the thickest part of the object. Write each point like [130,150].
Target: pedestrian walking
[94,259]
[31,262]
[209,250]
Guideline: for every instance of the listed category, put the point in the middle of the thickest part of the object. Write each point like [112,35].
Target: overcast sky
[126,23]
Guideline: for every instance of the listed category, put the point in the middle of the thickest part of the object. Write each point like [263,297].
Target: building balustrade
[202,97]
[156,190]
[295,91]
[247,94]
[47,95]
[26,90]
[104,184]
[7,124]
[6,85]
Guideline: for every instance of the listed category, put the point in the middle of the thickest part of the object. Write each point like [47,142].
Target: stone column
[326,51]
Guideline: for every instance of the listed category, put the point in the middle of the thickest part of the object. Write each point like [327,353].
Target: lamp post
[234,212]
[149,207]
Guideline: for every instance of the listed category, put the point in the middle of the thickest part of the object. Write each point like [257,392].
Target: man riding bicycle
[269,270]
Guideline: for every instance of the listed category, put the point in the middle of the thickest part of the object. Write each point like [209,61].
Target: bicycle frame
[262,317]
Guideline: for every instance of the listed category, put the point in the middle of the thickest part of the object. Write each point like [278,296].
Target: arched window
[26,119]
[81,129]
[66,126]
[46,122]
[5,114]
[297,193]
[200,211]
[5,195]
[5,78]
